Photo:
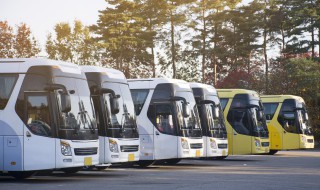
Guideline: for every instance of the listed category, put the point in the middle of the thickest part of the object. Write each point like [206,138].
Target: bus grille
[310,140]
[196,145]
[222,146]
[85,151]
[129,148]
[264,144]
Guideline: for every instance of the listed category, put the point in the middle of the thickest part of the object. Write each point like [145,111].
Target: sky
[42,15]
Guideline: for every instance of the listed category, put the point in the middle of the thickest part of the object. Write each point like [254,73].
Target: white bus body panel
[166,146]
[214,152]
[39,152]
[193,153]
[108,157]
[76,160]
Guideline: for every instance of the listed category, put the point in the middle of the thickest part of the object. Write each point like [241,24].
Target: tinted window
[6,86]
[270,109]
[162,117]
[287,117]
[239,120]
[139,97]
[223,102]
[38,115]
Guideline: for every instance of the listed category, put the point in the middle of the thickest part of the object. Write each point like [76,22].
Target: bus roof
[230,93]
[151,83]
[280,98]
[210,89]
[110,73]
[21,65]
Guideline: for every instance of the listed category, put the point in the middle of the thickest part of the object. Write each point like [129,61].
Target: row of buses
[59,116]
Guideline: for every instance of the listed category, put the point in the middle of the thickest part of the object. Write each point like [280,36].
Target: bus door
[165,138]
[39,144]
[290,136]
[241,138]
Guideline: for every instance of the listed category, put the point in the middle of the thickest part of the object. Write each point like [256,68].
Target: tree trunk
[203,44]
[266,58]
[173,53]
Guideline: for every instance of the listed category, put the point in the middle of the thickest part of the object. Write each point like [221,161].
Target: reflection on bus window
[38,115]
[238,118]
[164,119]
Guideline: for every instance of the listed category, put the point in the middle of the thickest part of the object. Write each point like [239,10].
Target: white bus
[168,120]
[118,133]
[212,122]
[46,118]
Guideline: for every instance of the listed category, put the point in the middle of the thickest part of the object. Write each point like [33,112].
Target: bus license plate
[131,157]
[88,161]
[197,153]
[224,153]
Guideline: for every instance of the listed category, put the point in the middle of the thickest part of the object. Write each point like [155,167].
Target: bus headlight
[303,139]
[184,143]
[257,143]
[65,148]
[113,146]
[213,144]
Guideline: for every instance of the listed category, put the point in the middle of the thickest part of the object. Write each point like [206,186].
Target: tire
[272,152]
[172,161]
[22,175]
[71,170]
[144,163]
[221,157]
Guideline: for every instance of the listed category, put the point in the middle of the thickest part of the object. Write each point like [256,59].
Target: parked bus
[212,122]
[46,117]
[245,121]
[168,120]
[288,123]
[118,134]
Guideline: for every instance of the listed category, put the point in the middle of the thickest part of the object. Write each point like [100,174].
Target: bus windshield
[246,116]
[122,124]
[303,120]
[81,116]
[190,126]
[216,126]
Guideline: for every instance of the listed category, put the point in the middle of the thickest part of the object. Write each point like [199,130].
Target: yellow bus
[288,123]
[245,121]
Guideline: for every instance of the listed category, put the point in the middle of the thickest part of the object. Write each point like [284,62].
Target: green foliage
[72,44]
[121,34]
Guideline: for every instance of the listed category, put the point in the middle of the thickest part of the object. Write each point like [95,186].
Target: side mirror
[186,110]
[305,116]
[65,103]
[114,105]
[259,115]
[215,112]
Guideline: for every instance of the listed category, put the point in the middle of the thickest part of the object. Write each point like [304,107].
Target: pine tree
[120,31]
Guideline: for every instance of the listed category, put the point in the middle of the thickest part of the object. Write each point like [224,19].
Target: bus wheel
[71,170]
[221,157]
[272,152]
[22,175]
[172,161]
[144,163]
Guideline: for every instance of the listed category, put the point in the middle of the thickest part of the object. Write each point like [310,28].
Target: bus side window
[38,115]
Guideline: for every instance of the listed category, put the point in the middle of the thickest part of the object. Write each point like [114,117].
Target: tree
[121,31]
[153,14]
[72,44]
[6,40]
[25,44]
[175,17]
